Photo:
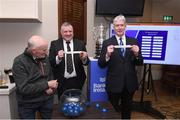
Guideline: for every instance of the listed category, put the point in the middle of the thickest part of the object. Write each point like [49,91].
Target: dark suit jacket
[121,70]
[59,69]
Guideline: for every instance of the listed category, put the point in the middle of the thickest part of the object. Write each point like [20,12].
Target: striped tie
[69,60]
[122,49]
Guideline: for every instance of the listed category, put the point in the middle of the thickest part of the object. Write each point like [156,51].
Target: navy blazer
[121,70]
[59,69]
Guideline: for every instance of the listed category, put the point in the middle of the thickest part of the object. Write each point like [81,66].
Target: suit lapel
[128,42]
[75,45]
[59,45]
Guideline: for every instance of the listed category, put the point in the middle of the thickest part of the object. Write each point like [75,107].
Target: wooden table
[92,112]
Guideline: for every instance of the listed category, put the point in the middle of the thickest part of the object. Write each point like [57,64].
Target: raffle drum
[72,103]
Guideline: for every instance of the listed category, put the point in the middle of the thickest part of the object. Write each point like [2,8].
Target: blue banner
[96,77]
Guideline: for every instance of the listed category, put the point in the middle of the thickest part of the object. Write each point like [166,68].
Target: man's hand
[83,55]
[110,50]
[135,50]
[53,84]
[50,91]
[60,54]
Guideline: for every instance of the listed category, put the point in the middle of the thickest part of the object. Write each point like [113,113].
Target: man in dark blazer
[59,61]
[120,54]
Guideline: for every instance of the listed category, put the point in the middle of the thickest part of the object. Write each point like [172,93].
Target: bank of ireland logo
[102,79]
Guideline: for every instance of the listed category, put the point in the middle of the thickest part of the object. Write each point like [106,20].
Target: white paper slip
[73,52]
[123,46]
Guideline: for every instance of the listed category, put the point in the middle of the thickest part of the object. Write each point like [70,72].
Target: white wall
[90,24]
[13,36]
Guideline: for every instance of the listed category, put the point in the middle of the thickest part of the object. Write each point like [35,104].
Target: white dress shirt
[66,74]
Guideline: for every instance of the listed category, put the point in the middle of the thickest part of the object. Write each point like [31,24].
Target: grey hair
[35,42]
[31,44]
[119,18]
[64,24]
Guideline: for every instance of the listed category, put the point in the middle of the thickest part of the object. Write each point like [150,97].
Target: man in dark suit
[120,54]
[67,57]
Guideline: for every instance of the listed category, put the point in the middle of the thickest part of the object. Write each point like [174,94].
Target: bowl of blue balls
[72,103]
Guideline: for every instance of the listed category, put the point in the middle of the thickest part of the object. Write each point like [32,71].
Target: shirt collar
[123,38]
[71,41]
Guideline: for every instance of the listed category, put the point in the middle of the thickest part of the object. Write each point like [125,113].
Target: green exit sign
[167,18]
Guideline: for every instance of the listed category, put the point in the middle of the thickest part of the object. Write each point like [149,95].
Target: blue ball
[64,109]
[65,104]
[97,105]
[78,105]
[70,107]
[76,112]
[76,108]
[104,110]
[81,109]
[70,112]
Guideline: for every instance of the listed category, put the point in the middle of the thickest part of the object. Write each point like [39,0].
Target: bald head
[36,41]
[38,46]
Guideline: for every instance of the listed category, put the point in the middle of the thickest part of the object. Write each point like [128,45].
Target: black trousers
[122,102]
